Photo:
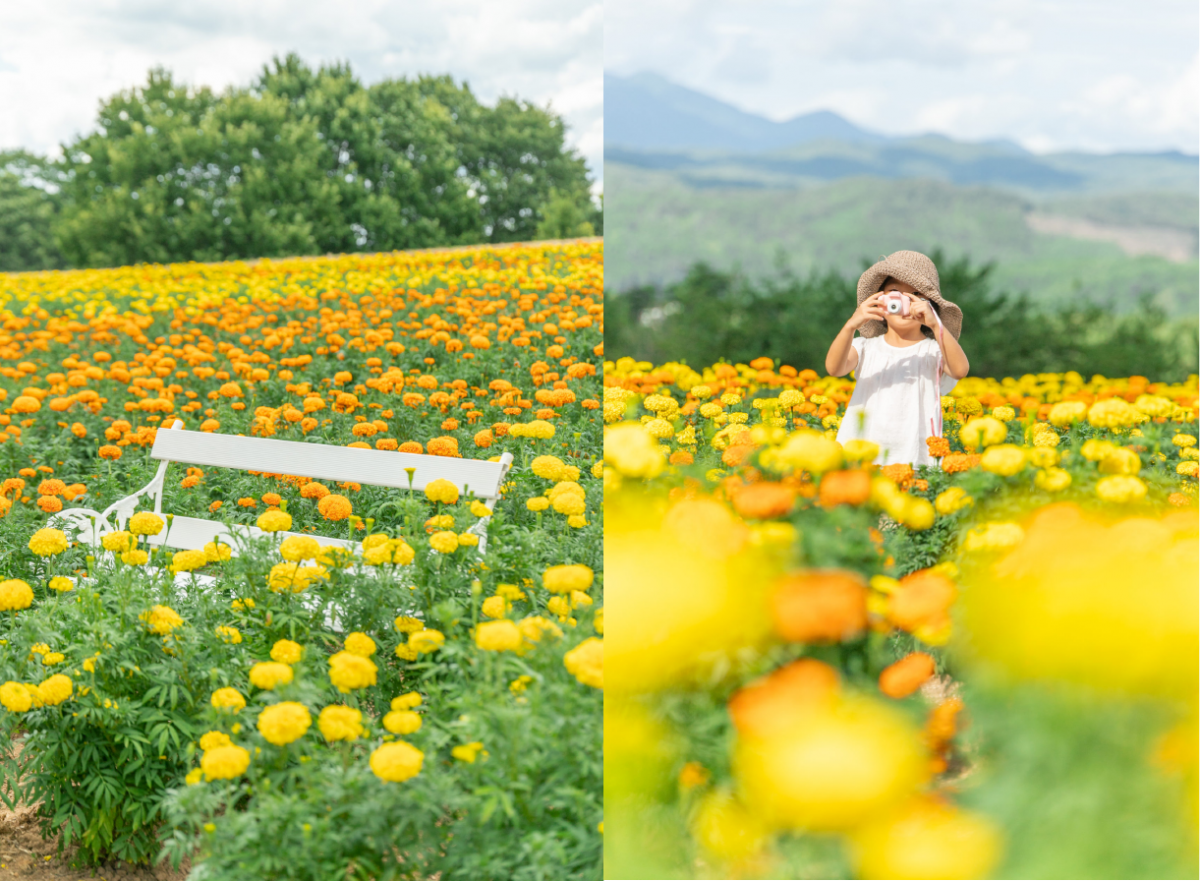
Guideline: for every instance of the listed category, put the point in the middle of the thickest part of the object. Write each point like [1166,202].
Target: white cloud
[59,58]
[1050,74]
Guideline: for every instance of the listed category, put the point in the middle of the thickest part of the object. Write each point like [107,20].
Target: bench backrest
[329,462]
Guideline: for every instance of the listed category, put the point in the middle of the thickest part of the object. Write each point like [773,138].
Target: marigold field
[412,709]
[823,668]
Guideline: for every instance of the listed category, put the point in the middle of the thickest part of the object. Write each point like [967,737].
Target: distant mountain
[654,124]
[648,112]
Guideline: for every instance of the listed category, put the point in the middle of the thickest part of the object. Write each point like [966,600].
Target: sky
[59,58]
[1093,75]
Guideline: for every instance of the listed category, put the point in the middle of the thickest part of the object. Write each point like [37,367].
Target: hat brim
[872,280]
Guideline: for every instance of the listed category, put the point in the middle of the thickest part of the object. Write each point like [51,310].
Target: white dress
[896,401]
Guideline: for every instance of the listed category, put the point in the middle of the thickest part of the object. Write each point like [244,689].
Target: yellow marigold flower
[633,452]
[268,674]
[586,662]
[1121,461]
[598,620]
[537,503]
[982,431]
[228,699]
[565,579]
[145,523]
[396,762]
[468,752]
[242,605]
[231,635]
[479,509]
[1114,413]
[440,521]
[425,641]
[406,701]
[1003,459]
[807,450]
[284,722]
[224,762]
[1043,457]
[286,652]
[444,542]
[1052,479]
[118,542]
[534,627]
[407,624]
[441,490]
[55,690]
[15,698]
[194,776]
[1184,440]
[161,619]
[338,722]
[214,739]
[995,536]
[135,558]
[15,595]
[510,592]
[51,658]
[188,561]
[403,553]
[349,671]
[406,652]
[1046,439]
[1121,489]
[860,450]
[1004,414]
[498,636]
[89,664]
[274,520]
[360,644]
[548,467]
[952,500]
[1153,405]
[1188,469]
[402,722]
[215,553]
[494,607]
[48,542]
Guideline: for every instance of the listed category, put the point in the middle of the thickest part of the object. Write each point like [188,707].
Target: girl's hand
[921,310]
[869,310]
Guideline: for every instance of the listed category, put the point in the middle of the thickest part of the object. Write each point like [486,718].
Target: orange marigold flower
[938,446]
[51,487]
[483,439]
[335,507]
[50,504]
[189,481]
[215,506]
[820,605]
[386,443]
[307,425]
[411,447]
[764,501]
[906,675]
[78,429]
[955,462]
[681,457]
[450,424]
[844,488]
[108,451]
[209,425]
[271,499]
[444,446]
[900,474]
[314,490]
[590,404]
[922,601]
[247,502]
[773,701]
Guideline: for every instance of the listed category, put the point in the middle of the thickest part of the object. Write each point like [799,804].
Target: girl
[903,363]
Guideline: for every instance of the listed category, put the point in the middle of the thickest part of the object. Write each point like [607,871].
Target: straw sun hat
[912,268]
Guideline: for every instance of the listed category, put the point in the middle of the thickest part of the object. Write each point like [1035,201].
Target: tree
[28,205]
[563,217]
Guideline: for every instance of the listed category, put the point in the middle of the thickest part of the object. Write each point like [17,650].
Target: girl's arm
[953,355]
[842,357]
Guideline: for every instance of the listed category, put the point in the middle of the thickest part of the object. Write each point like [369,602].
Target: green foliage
[302,161]
[565,217]
[27,212]
[660,225]
[714,315]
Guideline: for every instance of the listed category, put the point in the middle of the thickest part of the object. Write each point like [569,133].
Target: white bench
[406,471]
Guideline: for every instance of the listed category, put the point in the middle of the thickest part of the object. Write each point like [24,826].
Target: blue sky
[58,58]
[1096,75]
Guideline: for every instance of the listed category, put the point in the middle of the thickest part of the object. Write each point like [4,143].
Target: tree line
[712,315]
[301,161]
